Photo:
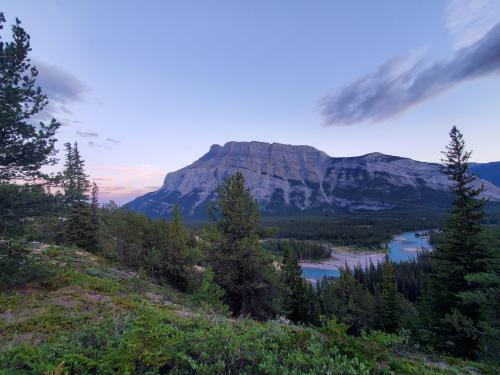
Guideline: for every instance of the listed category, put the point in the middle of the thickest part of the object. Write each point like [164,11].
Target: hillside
[289,179]
[487,171]
[92,316]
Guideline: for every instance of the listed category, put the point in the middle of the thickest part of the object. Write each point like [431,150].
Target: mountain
[288,179]
[488,171]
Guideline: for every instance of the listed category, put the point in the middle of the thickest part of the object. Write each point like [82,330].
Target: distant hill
[488,171]
[288,179]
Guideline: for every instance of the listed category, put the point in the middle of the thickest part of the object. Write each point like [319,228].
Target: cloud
[402,83]
[123,183]
[99,145]
[107,145]
[61,87]
[87,134]
[468,21]
[112,140]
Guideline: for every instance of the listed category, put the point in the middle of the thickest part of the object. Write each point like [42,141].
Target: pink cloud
[122,183]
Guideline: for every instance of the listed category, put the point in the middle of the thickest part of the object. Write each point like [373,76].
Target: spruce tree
[75,182]
[94,214]
[175,259]
[452,323]
[245,272]
[300,300]
[391,302]
[80,228]
[24,145]
[94,205]
[347,299]
[209,294]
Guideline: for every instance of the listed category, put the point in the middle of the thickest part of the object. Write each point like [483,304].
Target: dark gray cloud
[402,83]
[87,134]
[59,85]
[62,89]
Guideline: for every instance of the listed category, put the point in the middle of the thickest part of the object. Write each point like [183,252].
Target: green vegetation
[93,316]
[300,301]
[301,249]
[362,230]
[455,316]
[24,147]
[242,268]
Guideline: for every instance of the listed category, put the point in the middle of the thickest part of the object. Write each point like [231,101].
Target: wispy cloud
[402,83]
[112,140]
[107,144]
[468,21]
[99,145]
[124,183]
[87,134]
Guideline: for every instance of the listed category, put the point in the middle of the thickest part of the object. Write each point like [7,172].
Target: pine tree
[24,146]
[391,302]
[245,272]
[450,322]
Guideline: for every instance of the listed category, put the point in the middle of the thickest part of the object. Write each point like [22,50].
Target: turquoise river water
[401,247]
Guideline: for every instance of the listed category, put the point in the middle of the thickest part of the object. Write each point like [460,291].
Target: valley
[402,247]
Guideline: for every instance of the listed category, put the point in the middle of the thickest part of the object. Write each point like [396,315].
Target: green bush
[155,341]
[19,266]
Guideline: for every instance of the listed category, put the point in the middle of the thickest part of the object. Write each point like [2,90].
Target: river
[404,246]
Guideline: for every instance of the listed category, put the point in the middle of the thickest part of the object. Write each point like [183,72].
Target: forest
[112,291]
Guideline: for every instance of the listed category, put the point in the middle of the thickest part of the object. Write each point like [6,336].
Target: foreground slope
[301,179]
[87,316]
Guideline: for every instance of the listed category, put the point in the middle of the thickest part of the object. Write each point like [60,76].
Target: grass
[91,317]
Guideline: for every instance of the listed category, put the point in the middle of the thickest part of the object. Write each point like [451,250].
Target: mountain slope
[82,315]
[488,171]
[290,179]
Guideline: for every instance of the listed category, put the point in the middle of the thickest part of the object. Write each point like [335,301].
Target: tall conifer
[451,323]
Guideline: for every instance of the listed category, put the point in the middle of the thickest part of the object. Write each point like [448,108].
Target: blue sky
[146,87]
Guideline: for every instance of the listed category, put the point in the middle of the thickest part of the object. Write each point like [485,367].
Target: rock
[288,179]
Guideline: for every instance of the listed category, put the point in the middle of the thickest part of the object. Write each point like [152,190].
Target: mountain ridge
[298,179]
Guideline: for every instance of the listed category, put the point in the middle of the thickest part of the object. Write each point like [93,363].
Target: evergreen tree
[210,294]
[94,216]
[94,205]
[452,323]
[245,272]
[75,182]
[24,146]
[391,302]
[300,300]
[80,228]
[347,299]
[175,259]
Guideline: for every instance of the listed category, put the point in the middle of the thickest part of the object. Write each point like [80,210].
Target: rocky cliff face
[287,179]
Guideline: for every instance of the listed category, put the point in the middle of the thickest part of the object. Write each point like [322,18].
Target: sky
[146,87]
